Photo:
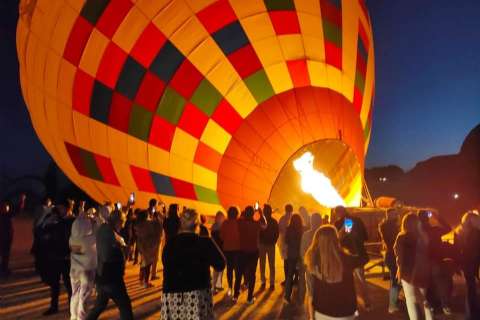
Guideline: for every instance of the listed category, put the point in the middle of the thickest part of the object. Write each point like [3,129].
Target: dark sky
[427,84]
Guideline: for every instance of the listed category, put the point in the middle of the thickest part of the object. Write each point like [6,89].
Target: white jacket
[83,245]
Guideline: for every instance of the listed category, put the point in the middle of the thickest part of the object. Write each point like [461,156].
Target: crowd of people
[324,259]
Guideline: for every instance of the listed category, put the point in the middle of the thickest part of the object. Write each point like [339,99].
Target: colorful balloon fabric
[200,102]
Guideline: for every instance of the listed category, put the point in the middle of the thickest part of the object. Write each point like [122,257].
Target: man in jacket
[267,240]
[282,229]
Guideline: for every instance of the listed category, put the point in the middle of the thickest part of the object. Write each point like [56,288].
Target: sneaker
[50,311]
[447,311]
[250,301]
[229,292]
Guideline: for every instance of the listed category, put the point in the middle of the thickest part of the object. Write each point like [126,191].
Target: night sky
[427,84]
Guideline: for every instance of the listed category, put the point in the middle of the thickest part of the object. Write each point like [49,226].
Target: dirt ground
[23,296]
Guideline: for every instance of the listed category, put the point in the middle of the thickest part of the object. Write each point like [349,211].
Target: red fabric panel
[364,8]
[245,61]
[148,45]
[361,64]
[193,120]
[143,179]
[331,13]
[75,156]
[227,117]
[120,112]
[106,169]
[161,133]
[77,40]
[285,22]
[217,15]
[150,91]
[183,189]
[186,79]
[363,35]
[207,157]
[111,65]
[357,99]
[113,16]
[82,92]
[333,55]
[299,73]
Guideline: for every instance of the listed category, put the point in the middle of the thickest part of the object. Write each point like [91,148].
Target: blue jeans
[394,286]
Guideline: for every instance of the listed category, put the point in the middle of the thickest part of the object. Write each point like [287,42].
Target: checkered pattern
[361,70]
[332,30]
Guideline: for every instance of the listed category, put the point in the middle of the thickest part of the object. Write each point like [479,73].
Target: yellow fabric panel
[198,5]
[51,73]
[65,121]
[117,144]
[258,26]
[99,137]
[124,175]
[130,29]
[310,25]
[241,99]
[44,19]
[369,85]
[223,76]
[268,51]
[279,77]
[206,55]
[184,145]
[292,46]
[76,4]
[204,177]
[314,48]
[82,131]
[308,6]
[151,8]
[349,37]
[137,152]
[189,35]
[62,31]
[215,136]
[158,159]
[244,8]
[201,207]
[334,78]
[347,87]
[66,76]
[93,52]
[180,168]
[112,192]
[172,16]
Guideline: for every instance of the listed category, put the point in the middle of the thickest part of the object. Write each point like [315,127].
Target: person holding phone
[353,239]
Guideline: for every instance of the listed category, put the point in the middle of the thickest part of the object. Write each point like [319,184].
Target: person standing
[83,256]
[467,242]
[146,242]
[187,258]
[171,224]
[111,268]
[305,218]
[354,241]
[6,237]
[330,277]
[389,229]
[157,218]
[249,233]
[293,239]
[230,236]
[266,247]
[215,231]
[282,229]
[203,230]
[411,251]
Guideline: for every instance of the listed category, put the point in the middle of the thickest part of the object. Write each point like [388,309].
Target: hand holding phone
[257,205]
[131,199]
[348,225]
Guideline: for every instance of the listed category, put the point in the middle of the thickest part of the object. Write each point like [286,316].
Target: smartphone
[257,205]
[348,225]
[131,199]
[118,205]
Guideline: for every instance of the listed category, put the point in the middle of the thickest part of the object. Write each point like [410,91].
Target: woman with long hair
[146,242]
[330,277]
[293,239]
[414,267]
[172,223]
[215,231]
[230,237]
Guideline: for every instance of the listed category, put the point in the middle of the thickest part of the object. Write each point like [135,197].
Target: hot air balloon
[204,103]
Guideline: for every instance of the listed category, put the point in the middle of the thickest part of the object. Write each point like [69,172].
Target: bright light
[382,179]
[316,183]
[456,196]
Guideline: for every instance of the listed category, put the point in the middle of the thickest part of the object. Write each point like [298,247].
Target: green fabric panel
[279,5]
[359,81]
[259,86]
[206,97]
[140,122]
[90,165]
[171,106]
[92,10]
[206,195]
[366,132]
[332,33]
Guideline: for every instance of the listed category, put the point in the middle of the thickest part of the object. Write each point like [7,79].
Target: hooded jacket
[83,254]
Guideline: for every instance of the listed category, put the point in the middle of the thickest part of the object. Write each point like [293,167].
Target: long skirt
[190,305]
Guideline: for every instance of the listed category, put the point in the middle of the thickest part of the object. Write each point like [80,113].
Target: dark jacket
[110,259]
[354,241]
[293,240]
[389,229]
[249,230]
[269,236]
[337,299]
[187,259]
[171,226]
[412,260]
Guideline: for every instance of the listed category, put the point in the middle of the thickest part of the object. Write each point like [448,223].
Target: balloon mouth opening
[319,176]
